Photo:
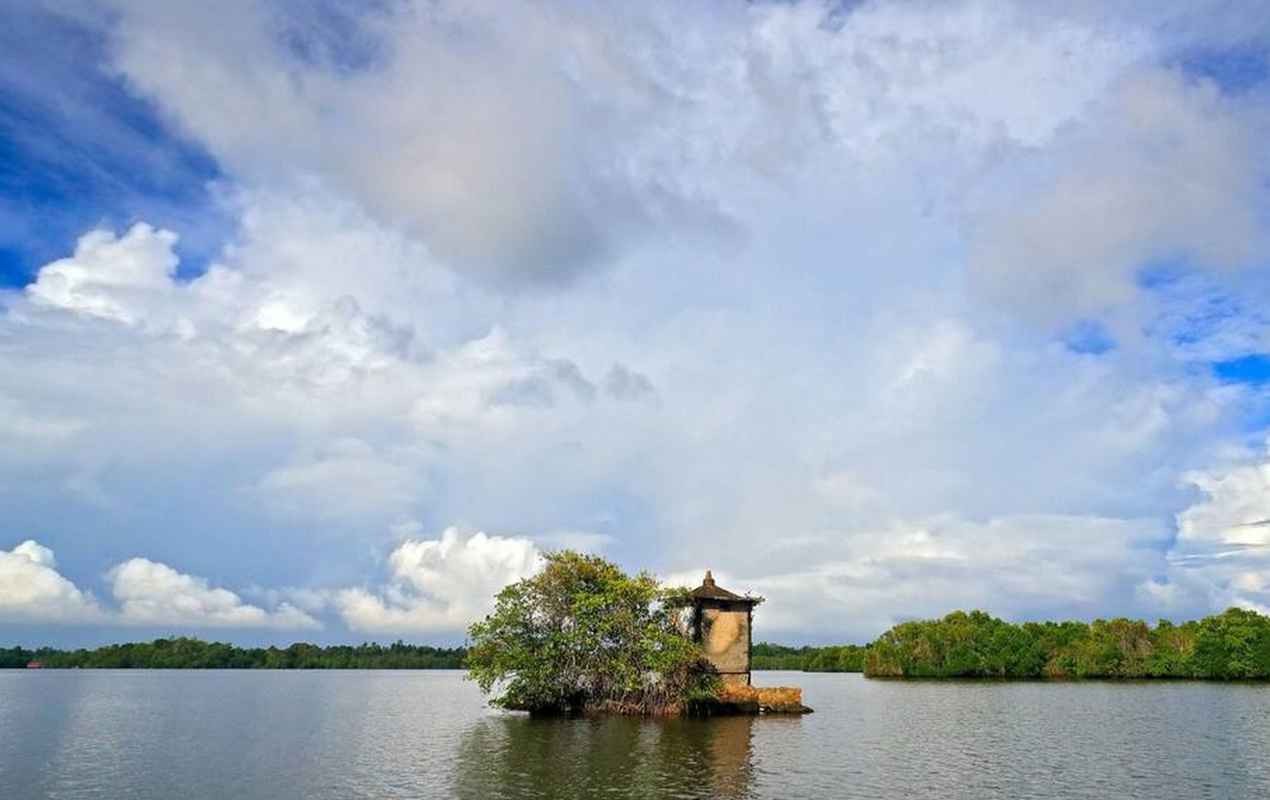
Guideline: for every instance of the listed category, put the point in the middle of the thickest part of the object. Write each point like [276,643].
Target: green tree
[1228,646]
[580,635]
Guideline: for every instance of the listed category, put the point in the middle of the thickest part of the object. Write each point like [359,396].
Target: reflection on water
[160,735]
[518,757]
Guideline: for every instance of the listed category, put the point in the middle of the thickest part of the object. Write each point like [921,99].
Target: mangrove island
[582,636]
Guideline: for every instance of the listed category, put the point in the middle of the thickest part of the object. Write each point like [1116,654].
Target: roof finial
[709,579]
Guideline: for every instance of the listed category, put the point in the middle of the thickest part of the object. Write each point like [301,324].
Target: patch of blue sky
[1251,369]
[1256,427]
[1202,316]
[1234,70]
[1161,273]
[1088,337]
[79,150]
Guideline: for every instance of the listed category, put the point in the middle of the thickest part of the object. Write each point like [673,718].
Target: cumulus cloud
[32,590]
[150,593]
[113,277]
[1235,510]
[1222,553]
[439,584]
[489,383]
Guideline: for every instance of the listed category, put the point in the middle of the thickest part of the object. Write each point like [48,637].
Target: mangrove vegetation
[187,653]
[583,636]
[1233,645]
[833,658]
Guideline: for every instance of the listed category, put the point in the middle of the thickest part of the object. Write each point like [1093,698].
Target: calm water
[193,735]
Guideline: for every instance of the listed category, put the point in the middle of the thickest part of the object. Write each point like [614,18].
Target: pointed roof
[709,590]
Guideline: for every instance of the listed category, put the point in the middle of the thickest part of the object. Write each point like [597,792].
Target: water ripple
[194,735]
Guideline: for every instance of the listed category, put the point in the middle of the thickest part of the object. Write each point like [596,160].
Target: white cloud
[440,584]
[115,278]
[1235,510]
[1222,554]
[154,594]
[32,590]
[22,428]
[1021,567]
[785,229]
[627,123]
[345,479]
[1165,168]
[148,593]
[537,205]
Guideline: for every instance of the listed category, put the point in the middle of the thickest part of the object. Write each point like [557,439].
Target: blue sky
[79,150]
[324,324]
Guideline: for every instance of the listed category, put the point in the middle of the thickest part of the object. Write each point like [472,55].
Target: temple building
[721,623]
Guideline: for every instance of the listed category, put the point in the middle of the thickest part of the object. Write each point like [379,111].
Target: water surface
[214,734]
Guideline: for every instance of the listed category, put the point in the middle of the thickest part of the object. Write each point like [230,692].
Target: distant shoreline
[1231,646]
[190,653]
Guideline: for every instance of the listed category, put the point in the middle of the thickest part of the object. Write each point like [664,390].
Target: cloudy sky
[323,325]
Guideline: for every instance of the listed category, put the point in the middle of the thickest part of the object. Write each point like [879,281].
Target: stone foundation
[744,699]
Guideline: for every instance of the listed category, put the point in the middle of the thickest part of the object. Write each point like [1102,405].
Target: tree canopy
[583,635]
[187,653]
[1233,645]
[830,658]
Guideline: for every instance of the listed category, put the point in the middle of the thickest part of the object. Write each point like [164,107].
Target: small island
[583,637]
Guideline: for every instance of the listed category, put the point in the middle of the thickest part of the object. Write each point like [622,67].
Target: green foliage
[1232,645]
[582,635]
[186,653]
[840,658]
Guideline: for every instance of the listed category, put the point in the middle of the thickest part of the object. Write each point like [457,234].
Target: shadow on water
[518,757]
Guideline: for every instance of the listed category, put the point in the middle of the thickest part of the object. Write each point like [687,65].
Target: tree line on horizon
[189,653]
[808,658]
[1233,645]
[192,653]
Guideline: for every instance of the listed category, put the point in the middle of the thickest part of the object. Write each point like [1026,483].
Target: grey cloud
[1165,168]
[532,392]
[623,383]
[468,127]
[539,389]
[569,374]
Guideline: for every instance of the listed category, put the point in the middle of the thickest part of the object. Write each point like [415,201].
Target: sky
[323,321]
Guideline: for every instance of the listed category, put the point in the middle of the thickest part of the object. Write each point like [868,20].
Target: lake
[193,735]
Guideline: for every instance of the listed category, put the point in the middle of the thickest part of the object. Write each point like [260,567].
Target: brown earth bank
[734,699]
